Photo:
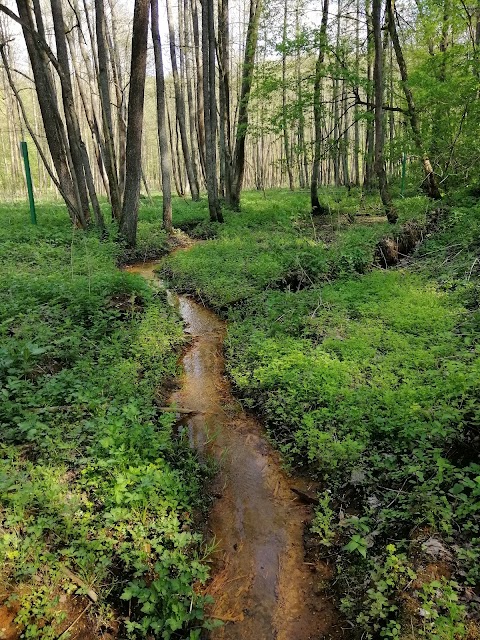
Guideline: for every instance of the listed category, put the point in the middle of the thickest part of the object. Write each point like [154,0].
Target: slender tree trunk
[210,108]
[180,107]
[199,115]
[370,127]
[286,141]
[120,96]
[189,86]
[53,125]
[356,150]
[133,173]
[224,94]
[302,149]
[161,121]
[378,73]
[104,91]
[317,112]
[242,123]
[31,131]
[430,182]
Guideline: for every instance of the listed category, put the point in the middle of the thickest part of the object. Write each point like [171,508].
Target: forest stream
[263,588]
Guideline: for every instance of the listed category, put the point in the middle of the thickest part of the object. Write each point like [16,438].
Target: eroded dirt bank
[262,586]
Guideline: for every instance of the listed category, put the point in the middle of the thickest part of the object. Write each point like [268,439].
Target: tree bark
[286,141]
[180,108]
[242,124]
[165,164]
[53,125]
[210,108]
[224,94]
[317,112]
[199,115]
[430,182]
[133,172]
[378,73]
[104,91]
[79,158]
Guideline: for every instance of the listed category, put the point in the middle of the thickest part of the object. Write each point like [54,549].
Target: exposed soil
[262,584]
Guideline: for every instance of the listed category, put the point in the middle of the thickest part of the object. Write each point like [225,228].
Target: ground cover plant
[368,380]
[97,494]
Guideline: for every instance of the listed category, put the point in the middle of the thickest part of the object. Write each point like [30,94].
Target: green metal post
[404,171]
[28,176]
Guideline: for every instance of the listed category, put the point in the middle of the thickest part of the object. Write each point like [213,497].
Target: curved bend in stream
[263,589]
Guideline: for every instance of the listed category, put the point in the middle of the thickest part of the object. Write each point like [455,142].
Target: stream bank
[261,585]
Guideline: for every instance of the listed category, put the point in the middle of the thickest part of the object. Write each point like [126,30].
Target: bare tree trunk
[29,128]
[120,95]
[370,127]
[356,151]
[180,108]
[430,182]
[175,171]
[224,94]
[378,70]
[73,127]
[317,112]
[104,91]
[242,124]
[199,115]
[286,142]
[189,85]
[302,150]
[161,121]
[133,174]
[53,125]
[210,108]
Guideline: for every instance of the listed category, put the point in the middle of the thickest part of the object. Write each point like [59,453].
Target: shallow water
[263,588]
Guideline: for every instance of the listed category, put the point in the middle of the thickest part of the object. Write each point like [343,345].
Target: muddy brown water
[263,588]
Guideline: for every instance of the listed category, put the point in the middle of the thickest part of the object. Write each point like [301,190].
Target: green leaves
[357,544]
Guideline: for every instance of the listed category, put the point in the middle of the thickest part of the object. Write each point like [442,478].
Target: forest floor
[367,380]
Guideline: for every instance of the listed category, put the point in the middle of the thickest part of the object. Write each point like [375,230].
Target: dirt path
[263,588]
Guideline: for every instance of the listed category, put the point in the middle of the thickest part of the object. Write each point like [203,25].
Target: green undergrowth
[369,381]
[275,244]
[93,478]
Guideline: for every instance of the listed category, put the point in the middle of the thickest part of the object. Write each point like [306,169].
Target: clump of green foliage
[92,477]
[369,380]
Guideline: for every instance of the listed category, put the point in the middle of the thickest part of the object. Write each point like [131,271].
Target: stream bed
[261,584]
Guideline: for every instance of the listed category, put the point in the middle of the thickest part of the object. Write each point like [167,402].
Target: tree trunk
[199,115]
[180,108]
[104,91]
[430,182]
[210,108]
[133,172]
[368,186]
[224,94]
[79,154]
[238,169]
[161,121]
[317,112]
[286,141]
[378,70]
[53,125]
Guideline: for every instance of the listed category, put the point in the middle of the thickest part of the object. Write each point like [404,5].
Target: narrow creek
[262,587]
